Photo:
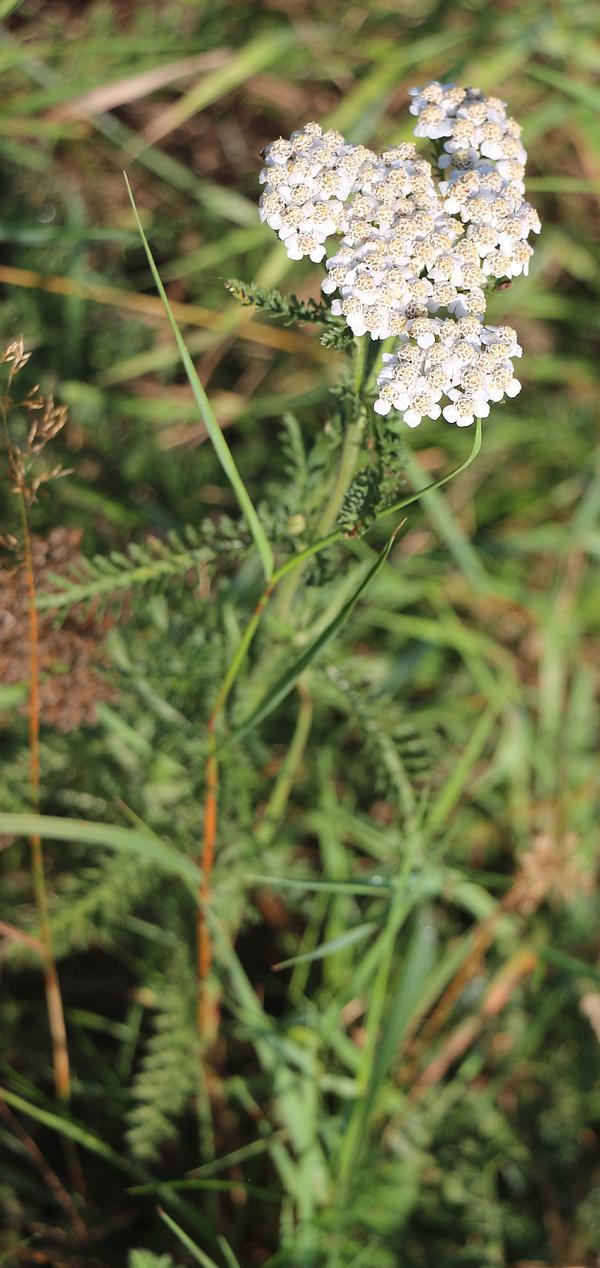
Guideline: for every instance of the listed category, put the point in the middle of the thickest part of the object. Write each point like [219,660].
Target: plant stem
[209,834]
[278,800]
[351,445]
[296,562]
[293,565]
[358,1122]
[330,538]
[345,472]
[56,1017]
[446,524]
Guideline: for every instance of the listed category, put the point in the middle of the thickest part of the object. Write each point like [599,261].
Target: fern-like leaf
[294,453]
[168,1073]
[337,335]
[395,749]
[151,563]
[291,310]
[90,911]
[288,307]
[374,487]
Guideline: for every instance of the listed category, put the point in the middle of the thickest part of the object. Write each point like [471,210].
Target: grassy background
[472,667]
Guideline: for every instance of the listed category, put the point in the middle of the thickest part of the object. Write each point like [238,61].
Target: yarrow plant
[411,247]
[421,245]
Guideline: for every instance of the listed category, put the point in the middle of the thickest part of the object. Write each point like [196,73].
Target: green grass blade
[68,1128]
[351,1142]
[362,106]
[437,484]
[150,849]
[358,934]
[7,7]
[199,1255]
[227,1253]
[586,92]
[257,54]
[381,890]
[451,791]
[446,524]
[291,675]
[79,1134]
[405,1001]
[208,416]
[570,963]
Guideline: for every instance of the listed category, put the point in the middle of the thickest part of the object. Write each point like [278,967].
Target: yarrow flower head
[418,249]
[453,367]
[483,167]
[308,180]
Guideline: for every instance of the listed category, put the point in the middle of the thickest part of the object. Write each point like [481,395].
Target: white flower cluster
[399,257]
[415,256]
[483,164]
[462,360]
[308,180]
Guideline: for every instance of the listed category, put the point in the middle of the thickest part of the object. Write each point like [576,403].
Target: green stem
[278,800]
[241,650]
[345,473]
[296,562]
[351,445]
[210,817]
[360,1116]
[207,414]
[352,1140]
[446,524]
[343,478]
[337,534]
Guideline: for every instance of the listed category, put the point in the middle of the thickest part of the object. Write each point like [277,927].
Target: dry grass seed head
[549,869]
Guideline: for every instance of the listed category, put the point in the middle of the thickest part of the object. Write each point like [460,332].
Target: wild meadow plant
[420,244]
